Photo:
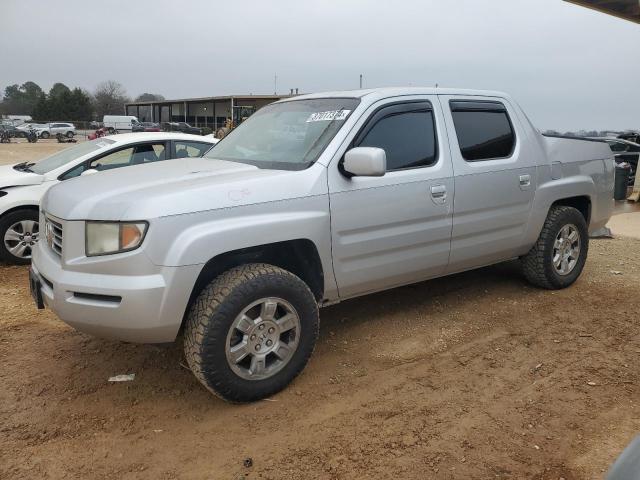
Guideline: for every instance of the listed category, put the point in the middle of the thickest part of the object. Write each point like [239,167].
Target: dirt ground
[21,151]
[474,376]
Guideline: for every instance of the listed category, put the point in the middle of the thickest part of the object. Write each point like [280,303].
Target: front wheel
[70,134]
[558,257]
[251,332]
[19,233]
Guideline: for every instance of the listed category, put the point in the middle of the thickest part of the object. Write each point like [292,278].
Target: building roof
[626,9]
[210,99]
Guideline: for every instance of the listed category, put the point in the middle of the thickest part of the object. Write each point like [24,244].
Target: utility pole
[360,81]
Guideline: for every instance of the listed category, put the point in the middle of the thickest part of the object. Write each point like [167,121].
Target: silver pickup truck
[313,200]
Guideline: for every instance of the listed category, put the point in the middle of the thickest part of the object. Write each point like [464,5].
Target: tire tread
[212,305]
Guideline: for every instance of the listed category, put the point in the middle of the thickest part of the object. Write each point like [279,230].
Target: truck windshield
[68,154]
[289,135]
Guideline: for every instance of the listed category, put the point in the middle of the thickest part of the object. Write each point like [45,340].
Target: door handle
[438,191]
[439,194]
[525,180]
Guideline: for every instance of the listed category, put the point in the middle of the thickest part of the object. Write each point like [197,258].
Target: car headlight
[106,238]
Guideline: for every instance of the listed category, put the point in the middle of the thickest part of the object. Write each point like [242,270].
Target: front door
[395,229]
[495,176]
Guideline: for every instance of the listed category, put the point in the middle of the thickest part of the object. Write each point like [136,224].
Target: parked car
[52,129]
[624,151]
[386,187]
[146,127]
[95,125]
[183,127]
[27,127]
[22,185]
[10,130]
[632,136]
[119,123]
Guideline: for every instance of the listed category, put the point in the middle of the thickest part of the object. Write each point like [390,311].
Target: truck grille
[53,235]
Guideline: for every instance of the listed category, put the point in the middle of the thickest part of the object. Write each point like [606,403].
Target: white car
[27,126]
[22,185]
[52,129]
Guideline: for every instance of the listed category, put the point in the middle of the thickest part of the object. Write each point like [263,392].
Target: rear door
[395,229]
[495,177]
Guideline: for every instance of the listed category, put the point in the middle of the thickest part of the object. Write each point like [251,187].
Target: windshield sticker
[328,116]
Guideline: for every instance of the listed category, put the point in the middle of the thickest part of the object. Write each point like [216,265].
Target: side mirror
[365,162]
[90,171]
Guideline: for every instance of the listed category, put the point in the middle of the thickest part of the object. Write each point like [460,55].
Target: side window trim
[396,108]
[494,106]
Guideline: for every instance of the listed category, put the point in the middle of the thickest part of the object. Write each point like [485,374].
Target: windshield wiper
[24,167]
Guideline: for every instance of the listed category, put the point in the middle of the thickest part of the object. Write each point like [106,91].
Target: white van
[119,123]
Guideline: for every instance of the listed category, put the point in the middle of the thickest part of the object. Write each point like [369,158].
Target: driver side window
[406,132]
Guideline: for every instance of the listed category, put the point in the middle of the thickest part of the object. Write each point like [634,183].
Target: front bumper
[141,308]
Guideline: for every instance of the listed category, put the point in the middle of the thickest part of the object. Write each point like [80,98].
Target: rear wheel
[558,257]
[45,135]
[70,134]
[19,233]
[251,332]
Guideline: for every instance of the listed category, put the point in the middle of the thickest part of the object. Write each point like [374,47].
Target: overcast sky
[569,67]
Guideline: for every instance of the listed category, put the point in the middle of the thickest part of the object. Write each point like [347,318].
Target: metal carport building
[626,9]
[210,112]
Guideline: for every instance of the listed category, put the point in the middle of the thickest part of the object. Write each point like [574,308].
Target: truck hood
[9,177]
[174,187]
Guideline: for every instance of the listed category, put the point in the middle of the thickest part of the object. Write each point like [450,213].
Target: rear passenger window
[484,130]
[408,137]
[191,149]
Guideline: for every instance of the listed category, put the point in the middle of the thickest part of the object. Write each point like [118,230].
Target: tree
[21,99]
[64,104]
[41,110]
[109,98]
[149,97]
[58,102]
[58,90]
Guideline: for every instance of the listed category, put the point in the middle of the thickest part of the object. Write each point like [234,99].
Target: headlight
[105,238]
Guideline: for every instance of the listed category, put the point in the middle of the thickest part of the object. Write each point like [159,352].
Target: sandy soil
[19,150]
[626,224]
[470,377]
[473,376]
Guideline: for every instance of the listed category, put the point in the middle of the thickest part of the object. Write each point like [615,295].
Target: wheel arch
[26,206]
[299,256]
[582,203]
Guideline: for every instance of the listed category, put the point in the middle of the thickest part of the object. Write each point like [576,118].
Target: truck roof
[398,91]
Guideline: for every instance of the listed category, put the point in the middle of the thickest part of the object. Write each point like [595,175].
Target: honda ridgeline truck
[313,200]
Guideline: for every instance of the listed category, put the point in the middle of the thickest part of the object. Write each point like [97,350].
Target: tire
[9,228]
[538,265]
[210,332]
[45,135]
[70,134]
[111,130]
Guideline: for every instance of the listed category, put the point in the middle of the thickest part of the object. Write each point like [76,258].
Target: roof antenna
[360,81]
[436,85]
